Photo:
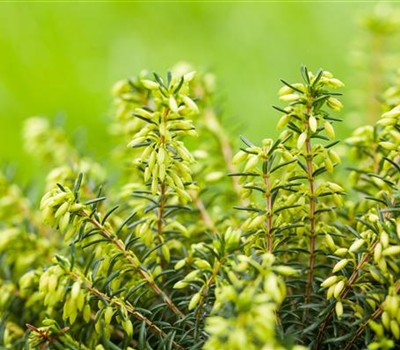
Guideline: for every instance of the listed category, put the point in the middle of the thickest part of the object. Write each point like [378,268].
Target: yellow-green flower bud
[330,131]
[385,319]
[328,165]
[301,140]
[257,222]
[128,327]
[290,97]
[239,157]
[384,239]
[251,163]
[388,145]
[285,90]
[62,209]
[285,270]
[172,104]
[390,251]
[165,253]
[149,84]
[334,156]
[108,314]
[194,300]
[203,264]
[393,113]
[329,293]
[87,313]
[387,121]
[181,285]
[190,104]
[329,281]
[330,242]
[357,244]
[283,121]
[377,328]
[395,329]
[337,199]
[334,83]
[76,287]
[334,104]
[338,289]
[339,309]
[378,252]
[340,265]
[181,263]
[214,176]
[189,76]
[392,305]
[335,187]
[312,122]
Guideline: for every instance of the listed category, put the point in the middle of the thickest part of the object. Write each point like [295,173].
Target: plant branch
[130,309]
[134,262]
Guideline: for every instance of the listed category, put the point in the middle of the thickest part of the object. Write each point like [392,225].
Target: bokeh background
[62,58]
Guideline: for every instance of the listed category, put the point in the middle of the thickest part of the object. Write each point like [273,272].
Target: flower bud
[339,309]
[329,281]
[194,300]
[390,251]
[290,97]
[340,265]
[335,83]
[251,163]
[338,289]
[378,252]
[189,76]
[334,104]
[283,121]
[334,156]
[356,245]
[172,104]
[395,329]
[301,140]
[330,131]
[385,319]
[190,104]
[285,90]
[341,251]
[312,122]
[149,84]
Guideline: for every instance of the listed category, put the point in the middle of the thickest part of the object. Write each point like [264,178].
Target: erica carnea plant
[197,245]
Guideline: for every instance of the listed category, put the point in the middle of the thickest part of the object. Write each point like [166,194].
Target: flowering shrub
[196,245]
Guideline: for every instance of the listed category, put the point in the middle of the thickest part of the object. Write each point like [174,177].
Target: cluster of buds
[60,208]
[45,141]
[252,319]
[304,114]
[165,159]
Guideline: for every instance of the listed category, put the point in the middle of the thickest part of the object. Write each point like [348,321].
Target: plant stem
[205,215]
[161,210]
[226,148]
[311,263]
[210,281]
[268,197]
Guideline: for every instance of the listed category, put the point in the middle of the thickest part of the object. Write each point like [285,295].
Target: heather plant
[272,246]
[182,241]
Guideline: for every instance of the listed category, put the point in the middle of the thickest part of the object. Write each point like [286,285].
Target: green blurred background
[61,58]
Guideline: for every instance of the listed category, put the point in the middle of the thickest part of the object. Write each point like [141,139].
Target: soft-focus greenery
[59,58]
